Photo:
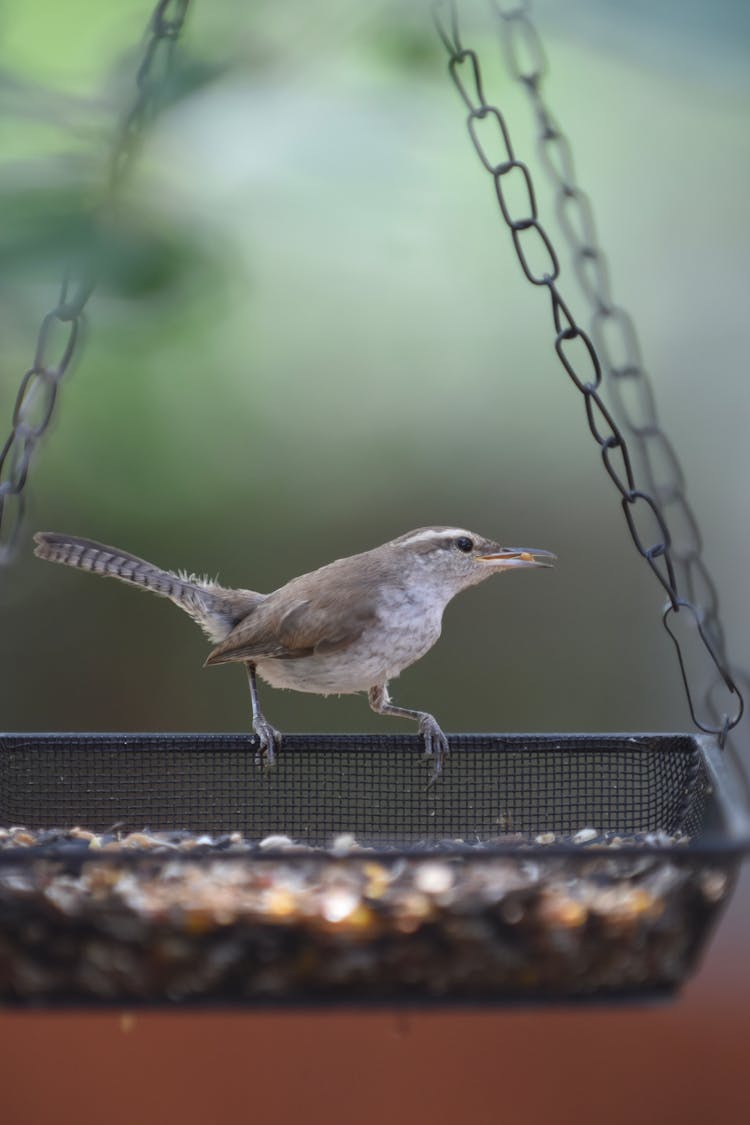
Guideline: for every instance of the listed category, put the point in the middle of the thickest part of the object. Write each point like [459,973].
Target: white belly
[376,657]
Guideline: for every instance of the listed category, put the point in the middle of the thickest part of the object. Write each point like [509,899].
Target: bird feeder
[169,869]
[541,868]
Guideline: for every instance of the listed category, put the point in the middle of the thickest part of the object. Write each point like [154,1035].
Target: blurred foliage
[51,224]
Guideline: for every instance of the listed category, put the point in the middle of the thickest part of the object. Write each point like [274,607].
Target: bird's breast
[404,629]
[409,623]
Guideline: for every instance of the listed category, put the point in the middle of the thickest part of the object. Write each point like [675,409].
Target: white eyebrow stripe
[444,533]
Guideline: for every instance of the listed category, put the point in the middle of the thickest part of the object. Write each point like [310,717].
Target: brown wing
[278,630]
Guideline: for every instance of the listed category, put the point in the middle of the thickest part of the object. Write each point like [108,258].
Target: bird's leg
[269,739]
[435,742]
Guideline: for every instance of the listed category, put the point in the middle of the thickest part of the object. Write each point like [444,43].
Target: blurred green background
[312,335]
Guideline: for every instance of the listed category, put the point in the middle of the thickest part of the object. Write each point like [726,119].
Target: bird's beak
[506,558]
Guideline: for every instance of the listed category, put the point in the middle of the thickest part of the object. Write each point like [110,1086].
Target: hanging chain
[151,80]
[61,330]
[578,351]
[613,331]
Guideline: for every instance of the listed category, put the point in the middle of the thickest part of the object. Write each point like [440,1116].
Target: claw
[269,739]
[435,745]
[435,742]
[269,743]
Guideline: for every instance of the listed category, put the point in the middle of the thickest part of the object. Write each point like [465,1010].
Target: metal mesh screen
[371,786]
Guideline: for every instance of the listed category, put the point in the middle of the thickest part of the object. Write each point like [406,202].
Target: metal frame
[731,839]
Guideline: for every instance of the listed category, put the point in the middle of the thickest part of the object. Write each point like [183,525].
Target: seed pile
[80,841]
[173,916]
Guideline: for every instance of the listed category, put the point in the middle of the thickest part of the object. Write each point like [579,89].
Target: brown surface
[679,1063]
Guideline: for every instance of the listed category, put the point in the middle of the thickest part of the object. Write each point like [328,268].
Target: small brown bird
[350,626]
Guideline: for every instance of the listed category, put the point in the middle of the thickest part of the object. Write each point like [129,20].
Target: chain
[61,330]
[578,351]
[613,331]
[151,82]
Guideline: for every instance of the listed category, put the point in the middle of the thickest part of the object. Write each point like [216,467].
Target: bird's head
[451,558]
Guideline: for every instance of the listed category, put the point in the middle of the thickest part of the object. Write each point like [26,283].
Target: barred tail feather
[216,609]
[86,554]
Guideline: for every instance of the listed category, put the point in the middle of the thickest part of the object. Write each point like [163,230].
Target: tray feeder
[168,869]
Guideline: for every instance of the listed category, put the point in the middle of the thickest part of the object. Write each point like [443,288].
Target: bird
[350,626]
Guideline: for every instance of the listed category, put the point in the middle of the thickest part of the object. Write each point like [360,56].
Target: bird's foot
[269,742]
[435,745]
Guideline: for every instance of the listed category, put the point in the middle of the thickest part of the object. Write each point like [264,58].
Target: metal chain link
[151,81]
[614,334]
[61,330]
[579,352]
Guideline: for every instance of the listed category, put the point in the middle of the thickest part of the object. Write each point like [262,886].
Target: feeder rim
[733,840]
[356,1001]
[299,741]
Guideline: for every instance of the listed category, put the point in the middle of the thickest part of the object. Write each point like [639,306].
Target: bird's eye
[464,544]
